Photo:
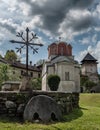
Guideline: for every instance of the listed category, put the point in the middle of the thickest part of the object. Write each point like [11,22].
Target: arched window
[53,49]
[62,51]
[62,48]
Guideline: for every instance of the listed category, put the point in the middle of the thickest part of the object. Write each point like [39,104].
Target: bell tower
[89,67]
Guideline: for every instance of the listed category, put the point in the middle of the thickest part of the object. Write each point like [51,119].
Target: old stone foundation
[37,105]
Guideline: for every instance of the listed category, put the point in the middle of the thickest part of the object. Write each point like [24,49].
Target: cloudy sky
[76,21]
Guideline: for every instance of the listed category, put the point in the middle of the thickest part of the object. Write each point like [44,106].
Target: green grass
[85,118]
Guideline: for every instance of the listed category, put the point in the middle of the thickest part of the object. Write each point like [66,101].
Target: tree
[86,84]
[10,55]
[3,74]
[89,84]
[36,83]
[53,82]
[40,62]
[99,76]
[83,79]
[0,56]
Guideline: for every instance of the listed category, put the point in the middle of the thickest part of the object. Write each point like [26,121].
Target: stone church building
[89,68]
[61,62]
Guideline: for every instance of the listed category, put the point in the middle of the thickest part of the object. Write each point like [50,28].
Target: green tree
[86,84]
[36,83]
[0,56]
[99,76]
[3,73]
[53,82]
[10,55]
[89,84]
[83,79]
[40,62]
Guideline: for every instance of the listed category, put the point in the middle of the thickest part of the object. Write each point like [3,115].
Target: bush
[86,84]
[89,84]
[83,80]
[53,82]
[36,83]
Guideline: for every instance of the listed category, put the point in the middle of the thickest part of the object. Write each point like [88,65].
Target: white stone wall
[44,82]
[71,85]
[77,78]
[65,67]
[68,86]
[83,69]
[50,70]
[44,77]
[89,68]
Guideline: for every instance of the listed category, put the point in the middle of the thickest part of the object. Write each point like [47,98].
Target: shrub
[89,84]
[53,82]
[36,83]
[83,79]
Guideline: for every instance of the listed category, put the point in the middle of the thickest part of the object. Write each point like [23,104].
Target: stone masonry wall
[13,103]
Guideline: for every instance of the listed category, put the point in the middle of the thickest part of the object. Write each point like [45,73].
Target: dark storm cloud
[81,3]
[53,12]
[8,27]
[81,24]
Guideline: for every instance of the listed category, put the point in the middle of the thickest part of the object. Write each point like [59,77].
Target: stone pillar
[25,84]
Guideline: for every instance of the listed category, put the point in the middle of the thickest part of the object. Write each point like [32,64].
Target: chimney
[30,63]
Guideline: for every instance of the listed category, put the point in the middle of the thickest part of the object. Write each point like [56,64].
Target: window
[22,72]
[91,69]
[39,75]
[31,73]
[53,50]
[66,75]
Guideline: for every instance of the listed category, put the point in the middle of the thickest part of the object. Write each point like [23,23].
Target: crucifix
[27,42]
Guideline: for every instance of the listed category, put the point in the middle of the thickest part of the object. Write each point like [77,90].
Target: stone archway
[42,108]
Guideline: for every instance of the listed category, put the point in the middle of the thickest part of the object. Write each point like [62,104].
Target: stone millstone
[42,108]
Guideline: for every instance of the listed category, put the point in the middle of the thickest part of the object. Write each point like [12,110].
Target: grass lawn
[85,118]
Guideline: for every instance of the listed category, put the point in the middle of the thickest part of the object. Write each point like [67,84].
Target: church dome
[61,48]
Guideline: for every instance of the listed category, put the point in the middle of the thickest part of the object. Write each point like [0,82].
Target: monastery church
[61,62]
